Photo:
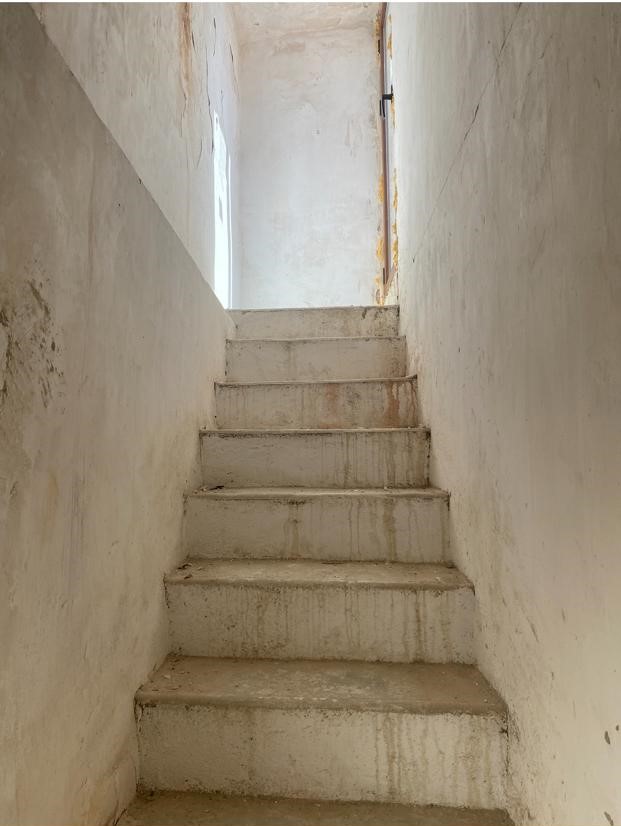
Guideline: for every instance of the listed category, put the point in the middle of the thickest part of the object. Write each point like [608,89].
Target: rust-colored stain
[395,194]
[381,261]
[332,395]
[185,47]
[395,237]
[391,411]
[378,24]
[378,34]
[380,189]
[379,249]
[395,249]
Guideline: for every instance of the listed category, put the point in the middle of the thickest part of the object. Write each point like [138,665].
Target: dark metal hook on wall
[383,100]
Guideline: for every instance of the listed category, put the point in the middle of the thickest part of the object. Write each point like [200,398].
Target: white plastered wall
[110,340]
[508,161]
[310,158]
[160,75]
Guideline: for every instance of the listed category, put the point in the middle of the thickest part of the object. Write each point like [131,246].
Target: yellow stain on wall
[395,237]
[184,12]
[379,290]
[379,249]
[379,279]
[395,249]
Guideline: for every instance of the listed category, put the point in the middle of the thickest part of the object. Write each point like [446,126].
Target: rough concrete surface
[418,688]
[304,573]
[317,321]
[187,809]
[508,162]
[357,403]
[391,612]
[101,308]
[400,524]
[310,359]
[332,731]
[302,714]
[316,458]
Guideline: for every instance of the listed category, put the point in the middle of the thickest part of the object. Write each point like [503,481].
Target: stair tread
[195,809]
[297,493]
[310,431]
[307,339]
[415,688]
[287,382]
[332,308]
[311,573]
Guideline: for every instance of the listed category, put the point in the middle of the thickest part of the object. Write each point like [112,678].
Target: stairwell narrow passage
[323,644]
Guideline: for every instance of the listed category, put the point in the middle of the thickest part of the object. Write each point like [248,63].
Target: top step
[317,322]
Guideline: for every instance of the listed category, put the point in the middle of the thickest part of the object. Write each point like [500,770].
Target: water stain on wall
[185,48]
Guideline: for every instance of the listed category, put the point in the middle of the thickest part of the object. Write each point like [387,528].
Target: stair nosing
[310,431]
[140,812]
[149,696]
[289,382]
[196,571]
[274,492]
[332,309]
[313,339]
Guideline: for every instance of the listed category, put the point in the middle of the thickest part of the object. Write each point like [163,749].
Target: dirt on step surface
[188,809]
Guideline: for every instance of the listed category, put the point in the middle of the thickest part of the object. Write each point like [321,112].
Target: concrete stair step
[312,322]
[359,403]
[420,733]
[194,809]
[346,458]
[304,609]
[314,359]
[400,525]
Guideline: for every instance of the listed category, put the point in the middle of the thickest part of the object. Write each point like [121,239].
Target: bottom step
[179,809]
[382,732]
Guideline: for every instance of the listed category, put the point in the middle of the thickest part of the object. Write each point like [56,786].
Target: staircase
[323,643]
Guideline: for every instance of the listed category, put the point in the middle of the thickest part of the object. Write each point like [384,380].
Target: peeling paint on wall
[379,280]
[378,24]
[395,234]
[395,249]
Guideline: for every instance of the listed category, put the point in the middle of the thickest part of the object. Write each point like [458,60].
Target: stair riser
[450,760]
[332,405]
[304,323]
[330,460]
[355,528]
[321,622]
[347,358]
